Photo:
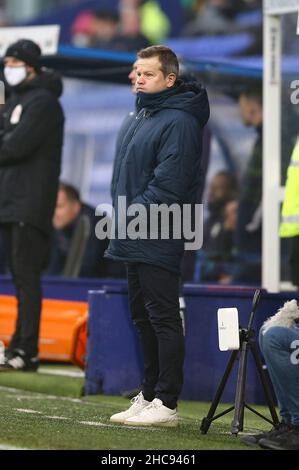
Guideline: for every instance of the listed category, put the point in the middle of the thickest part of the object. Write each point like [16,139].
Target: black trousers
[154,304]
[27,252]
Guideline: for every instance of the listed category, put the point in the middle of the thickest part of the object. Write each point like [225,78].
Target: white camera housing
[228,329]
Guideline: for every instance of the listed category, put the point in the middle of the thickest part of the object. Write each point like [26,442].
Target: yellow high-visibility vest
[289,226]
[155,24]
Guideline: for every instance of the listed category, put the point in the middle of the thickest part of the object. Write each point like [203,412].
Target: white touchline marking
[93,423]
[9,389]
[117,426]
[57,417]
[41,396]
[46,397]
[85,423]
[25,397]
[61,372]
[24,410]
[8,447]
[37,395]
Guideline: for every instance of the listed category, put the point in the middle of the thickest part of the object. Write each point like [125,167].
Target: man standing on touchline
[160,163]
[31,140]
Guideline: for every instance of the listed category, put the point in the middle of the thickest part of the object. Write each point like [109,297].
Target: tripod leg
[265,383]
[237,423]
[206,422]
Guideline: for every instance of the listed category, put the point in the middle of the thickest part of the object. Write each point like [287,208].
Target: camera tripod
[247,343]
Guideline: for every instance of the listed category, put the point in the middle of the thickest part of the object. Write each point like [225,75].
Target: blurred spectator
[215,17]
[106,29]
[249,224]
[155,24]
[81,29]
[214,259]
[145,17]
[289,227]
[129,18]
[230,217]
[75,250]
[132,76]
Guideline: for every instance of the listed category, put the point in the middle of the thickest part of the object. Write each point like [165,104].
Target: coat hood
[47,79]
[190,97]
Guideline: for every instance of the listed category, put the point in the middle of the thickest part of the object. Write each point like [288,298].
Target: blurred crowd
[232,246]
[137,23]
[129,25]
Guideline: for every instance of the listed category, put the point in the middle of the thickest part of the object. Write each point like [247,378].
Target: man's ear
[171,78]
[77,207]
[31,72]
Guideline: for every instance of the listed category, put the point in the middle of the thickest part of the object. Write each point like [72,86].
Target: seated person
[230,214]
[215,260]
[75,251]
[110,31]
[215,17]
[279,343]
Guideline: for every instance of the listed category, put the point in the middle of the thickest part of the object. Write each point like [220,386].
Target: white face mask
[15,75]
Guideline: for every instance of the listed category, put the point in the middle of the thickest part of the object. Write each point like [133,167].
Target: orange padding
[63,331]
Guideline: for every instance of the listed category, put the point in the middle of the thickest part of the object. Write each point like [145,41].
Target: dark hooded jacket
[159,162]
[31,139]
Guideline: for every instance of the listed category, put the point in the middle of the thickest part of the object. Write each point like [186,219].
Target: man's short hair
[253,93]
[106,15]
[71,192]
[230,180]
[168,59]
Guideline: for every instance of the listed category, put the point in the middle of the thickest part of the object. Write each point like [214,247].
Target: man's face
[13,62]
[66,211]
[218,189]
[132,76]
[245,110]
[251,111]
[101,28]
[150,78]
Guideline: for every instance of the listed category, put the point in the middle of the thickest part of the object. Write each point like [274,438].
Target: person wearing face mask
[31,139]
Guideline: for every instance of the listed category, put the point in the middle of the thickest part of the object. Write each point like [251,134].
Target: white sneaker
[155,414]
[138,404]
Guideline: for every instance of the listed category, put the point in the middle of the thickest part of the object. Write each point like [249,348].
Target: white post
[271,152]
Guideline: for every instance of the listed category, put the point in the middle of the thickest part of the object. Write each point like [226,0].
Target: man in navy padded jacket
[159,162]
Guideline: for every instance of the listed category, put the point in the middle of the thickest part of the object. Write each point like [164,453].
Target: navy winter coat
[159,161]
